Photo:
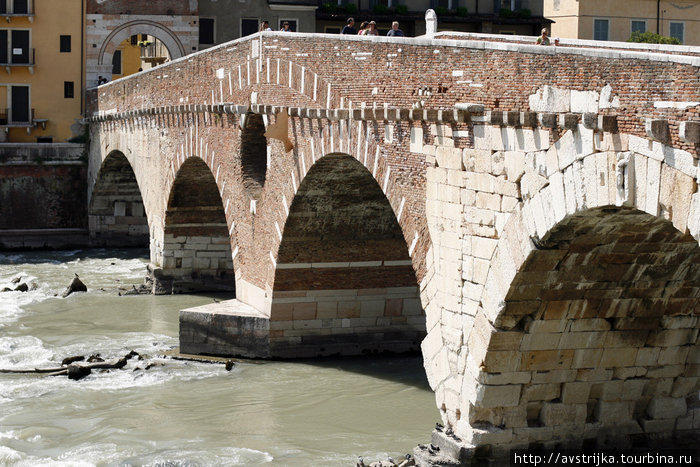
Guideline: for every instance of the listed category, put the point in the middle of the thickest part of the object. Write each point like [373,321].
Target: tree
[652,38]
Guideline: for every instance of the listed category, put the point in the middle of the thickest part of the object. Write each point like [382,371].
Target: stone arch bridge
[528,216]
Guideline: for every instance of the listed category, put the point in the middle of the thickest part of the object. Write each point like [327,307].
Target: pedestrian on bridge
[395,31]
[363,28]
[544,38]
[372,30]
[265,26]
[349,28]
[285,27]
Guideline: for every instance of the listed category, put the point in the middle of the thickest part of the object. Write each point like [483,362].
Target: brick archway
[116,213]
[196,245]
[344,281]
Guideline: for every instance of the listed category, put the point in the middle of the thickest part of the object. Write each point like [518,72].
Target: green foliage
[523,13]
[83,138]
[329,8]
[379,9]
[351,8]
[505,12]
[401,9]
[652,38]
[462,11]
[441,11]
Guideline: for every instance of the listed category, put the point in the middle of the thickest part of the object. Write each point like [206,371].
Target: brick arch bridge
[529,216]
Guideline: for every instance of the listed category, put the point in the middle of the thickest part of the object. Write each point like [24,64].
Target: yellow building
[139,52]
[616,20]
[41,69]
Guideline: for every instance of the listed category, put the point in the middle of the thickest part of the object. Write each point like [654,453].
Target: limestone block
[540,341]
[658,426]
[496,396]
[629,372]
[584,101]
[613,413]
[546,360]
[508,204]
[689,132]
[416,140]
[675,193]
[550,99]
[488,436]
[653,185]
[587,358]
[514,377]
[590,182]
[119,208]
[684,423]
[575,392]
[530,434]
[478,160]
[607,100]
[667,407]
[482,137]
[541,392]
[548,120]
[501,361]
[633,389]
[617,357]
[673,355]
[593,375]
[657,129]
[557,414]
[683,387]
[582,340]
[479,182]
[531,183]
[668,371]
[570,190]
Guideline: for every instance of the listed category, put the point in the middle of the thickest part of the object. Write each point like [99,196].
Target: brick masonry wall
[474,202]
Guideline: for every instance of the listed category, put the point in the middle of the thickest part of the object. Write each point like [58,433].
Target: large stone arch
[116,213]
[100,63]
[344,281]
[196,245]
[587,327]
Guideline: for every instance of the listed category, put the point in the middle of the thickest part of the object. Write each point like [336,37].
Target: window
[677,30]
[19,104]
[117,62]
[14,46]
[65,43]
[68,89]
[600,29]
[206,30]
[20,7]
[249,26]
[639,26]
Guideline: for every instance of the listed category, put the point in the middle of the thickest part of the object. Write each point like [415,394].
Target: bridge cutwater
[528,217]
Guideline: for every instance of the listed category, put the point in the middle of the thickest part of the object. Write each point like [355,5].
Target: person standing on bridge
[265,26]
[363,28]
[544,38]
[349,28]
[285,27]
[372,30]
[395,31]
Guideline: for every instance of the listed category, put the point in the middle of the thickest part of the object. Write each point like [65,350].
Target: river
[179,413]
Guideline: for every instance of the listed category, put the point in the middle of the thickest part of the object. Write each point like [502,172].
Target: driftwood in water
[76,368]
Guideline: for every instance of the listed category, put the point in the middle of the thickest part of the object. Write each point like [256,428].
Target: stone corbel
[624,179]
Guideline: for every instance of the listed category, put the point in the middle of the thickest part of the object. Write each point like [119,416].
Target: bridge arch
[344,281]
[588,324]
[116,213]
[196,244]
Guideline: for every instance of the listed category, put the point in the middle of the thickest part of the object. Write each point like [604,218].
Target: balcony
[19,60]
[154,53]
[17,9]
[10,119]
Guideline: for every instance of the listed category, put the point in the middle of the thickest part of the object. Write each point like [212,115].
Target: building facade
[121,32]
[520,17]
[226,20]
[41,51]
[616,21]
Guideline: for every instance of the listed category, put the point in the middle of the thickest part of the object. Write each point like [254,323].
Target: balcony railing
[19,61]
[7,119]
[12,9]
